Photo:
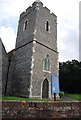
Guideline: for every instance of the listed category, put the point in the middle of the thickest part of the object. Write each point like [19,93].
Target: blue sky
[67,12]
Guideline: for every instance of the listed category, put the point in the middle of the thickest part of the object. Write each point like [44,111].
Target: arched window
[25,25]
[47,26]
[47,64]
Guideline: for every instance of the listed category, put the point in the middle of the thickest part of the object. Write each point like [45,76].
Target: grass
[26,99]
[74,96]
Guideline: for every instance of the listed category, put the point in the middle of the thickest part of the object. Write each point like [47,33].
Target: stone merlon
[36,4]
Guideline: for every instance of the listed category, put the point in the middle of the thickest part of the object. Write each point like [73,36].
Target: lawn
[75,96]
[26,99]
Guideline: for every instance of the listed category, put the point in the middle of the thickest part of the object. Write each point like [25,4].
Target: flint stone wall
[23,109]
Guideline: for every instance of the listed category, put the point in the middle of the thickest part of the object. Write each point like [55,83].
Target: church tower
[35,58]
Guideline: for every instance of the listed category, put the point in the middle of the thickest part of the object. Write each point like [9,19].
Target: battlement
[46,9]
[36,5]
[24,69]
[31,8]
[54,16]
[28,9]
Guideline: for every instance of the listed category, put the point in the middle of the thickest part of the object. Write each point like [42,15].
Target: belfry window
[25,25]
[47,26]
[47,63]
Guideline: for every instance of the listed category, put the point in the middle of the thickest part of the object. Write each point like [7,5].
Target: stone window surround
[47,26]
[25,25]
[48,68]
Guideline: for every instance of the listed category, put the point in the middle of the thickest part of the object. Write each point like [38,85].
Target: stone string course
[25,110]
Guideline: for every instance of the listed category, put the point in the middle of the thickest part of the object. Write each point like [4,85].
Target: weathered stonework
[3,68]
[39,75]
[21,71]
[70,110]
[36,39]
[0,68]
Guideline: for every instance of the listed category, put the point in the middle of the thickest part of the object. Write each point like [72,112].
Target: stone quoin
[29,67]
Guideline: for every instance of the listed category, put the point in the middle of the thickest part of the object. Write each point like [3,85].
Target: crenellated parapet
[34,61]
[36,6]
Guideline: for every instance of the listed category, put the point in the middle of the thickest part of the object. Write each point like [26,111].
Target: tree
[70,76]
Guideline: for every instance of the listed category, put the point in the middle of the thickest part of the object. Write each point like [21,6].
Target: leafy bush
[61,94]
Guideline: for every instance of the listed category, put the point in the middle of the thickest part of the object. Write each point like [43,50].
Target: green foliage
[70,76]
[75,96]
[61,94]
[25,99]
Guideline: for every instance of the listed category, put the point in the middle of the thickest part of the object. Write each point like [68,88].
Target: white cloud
[80,31]
[67,12]
[8,37]
[13,7]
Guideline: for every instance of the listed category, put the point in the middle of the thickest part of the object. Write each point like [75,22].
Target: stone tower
[35,57]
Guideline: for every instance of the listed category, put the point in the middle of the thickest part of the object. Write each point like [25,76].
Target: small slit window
[47,26]
[25,25]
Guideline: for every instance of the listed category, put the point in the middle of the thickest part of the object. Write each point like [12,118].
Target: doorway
[45,89]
